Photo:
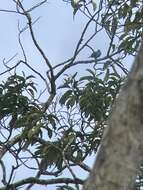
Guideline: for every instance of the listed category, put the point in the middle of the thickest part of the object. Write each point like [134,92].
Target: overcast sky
[57,34]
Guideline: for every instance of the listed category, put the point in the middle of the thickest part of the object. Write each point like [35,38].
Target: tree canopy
[52,120]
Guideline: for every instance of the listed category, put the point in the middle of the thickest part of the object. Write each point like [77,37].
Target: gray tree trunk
[121,150]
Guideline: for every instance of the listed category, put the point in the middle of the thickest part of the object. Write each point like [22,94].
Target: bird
[95,54]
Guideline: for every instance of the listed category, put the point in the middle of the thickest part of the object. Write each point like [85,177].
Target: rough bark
[121,150]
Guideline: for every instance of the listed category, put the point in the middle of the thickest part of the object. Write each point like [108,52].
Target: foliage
[114,16]
[94,97]
[50,136]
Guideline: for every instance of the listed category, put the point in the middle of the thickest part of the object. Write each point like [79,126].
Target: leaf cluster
[12,97]
[92,94]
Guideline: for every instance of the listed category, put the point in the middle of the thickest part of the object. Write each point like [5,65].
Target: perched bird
[96,54]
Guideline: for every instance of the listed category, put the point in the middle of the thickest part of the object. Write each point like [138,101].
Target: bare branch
[43,182]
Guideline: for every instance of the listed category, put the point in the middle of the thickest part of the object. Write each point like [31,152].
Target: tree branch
[43,182]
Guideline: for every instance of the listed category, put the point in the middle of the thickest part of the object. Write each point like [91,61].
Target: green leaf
[64,98]
[50,132]
[76,5]
[88,78]
[65,85]
[52,154]
[126,8]
[52,120]
[31,91]
[29,77]
[32,85]
[71,102]
[91,72]
[79,156]
[94,4]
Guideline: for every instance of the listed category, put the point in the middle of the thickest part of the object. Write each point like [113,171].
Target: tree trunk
[121,150]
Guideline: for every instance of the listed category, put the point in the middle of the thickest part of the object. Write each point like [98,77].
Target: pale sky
[57,34]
